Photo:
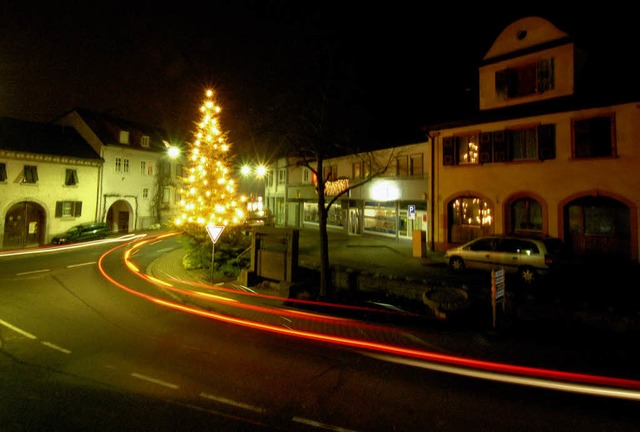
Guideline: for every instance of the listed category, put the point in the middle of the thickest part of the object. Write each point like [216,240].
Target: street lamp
[255,204]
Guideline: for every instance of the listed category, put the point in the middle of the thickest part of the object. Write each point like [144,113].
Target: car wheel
[457,264]
[527,275]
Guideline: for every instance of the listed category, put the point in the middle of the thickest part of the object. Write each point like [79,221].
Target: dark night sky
[150,62]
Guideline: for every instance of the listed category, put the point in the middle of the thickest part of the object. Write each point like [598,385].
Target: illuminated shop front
[376,209]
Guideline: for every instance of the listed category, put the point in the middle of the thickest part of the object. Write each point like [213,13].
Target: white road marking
[155,381]
[80,265]
[16,329]
[55,347]
[32,272]
[320,425]
[514,379]
[233,403]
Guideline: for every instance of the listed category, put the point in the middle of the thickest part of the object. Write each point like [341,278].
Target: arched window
[526,215]
[469,218]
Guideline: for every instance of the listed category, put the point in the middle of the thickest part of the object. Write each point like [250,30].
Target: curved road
[81,352]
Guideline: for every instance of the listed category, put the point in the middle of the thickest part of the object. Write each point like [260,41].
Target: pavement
[562,332]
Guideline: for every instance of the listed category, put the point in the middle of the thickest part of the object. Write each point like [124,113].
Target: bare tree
[316,165]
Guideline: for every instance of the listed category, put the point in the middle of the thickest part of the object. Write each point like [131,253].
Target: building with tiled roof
[138,179]
[49,176]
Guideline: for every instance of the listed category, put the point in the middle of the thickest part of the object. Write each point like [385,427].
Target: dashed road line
[317,424]
[55,347]
[233,403]
[33,272]
[81,264]
[16,329]
[155,381]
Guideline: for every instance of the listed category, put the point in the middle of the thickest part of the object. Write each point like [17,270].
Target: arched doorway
[599,227]
[119,216]
[469,217]
[24,225]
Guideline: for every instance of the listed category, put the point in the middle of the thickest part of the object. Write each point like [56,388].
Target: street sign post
[214,232]
[412,211]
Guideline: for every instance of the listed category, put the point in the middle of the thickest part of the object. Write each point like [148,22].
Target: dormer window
[525,80]
[144,141]
[124,137]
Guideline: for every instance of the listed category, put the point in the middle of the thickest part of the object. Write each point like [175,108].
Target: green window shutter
[500,153]
[486,147]
[448,151]
[78,208]
[547,141]
[58,209]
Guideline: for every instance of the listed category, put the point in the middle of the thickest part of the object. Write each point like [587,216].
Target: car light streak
[226,300]
[248,292]
[514,379]
[57,248]
[560,380]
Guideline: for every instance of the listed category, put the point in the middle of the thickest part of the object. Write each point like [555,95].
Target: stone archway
[120,217]
[24,225]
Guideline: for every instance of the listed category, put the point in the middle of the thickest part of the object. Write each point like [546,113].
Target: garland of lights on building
[208,189]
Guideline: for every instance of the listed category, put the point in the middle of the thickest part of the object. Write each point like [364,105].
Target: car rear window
[518,246]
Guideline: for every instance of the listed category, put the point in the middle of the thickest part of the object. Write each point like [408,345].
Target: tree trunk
[325,269]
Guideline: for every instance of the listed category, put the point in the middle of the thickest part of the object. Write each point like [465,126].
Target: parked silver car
[528,257]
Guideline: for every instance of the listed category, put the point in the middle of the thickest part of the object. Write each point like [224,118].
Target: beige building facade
[543,156]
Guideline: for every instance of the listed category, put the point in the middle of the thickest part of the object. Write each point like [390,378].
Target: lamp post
[255,172]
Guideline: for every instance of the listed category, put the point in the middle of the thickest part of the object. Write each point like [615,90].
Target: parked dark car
[83,232]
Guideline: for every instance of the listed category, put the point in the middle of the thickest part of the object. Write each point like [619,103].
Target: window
[150,168]
[143,167]
[330,173]
[144,141]
[124,137]
[282,175]
[166,195]
[306,175]
[523,144]
[402,166]
[145,193]
[356,170]
[164,169]
[416,165]
[125,165]
[3,172]
[30,174]
[460,150]
[525,80]
[179,170]
[118,165]
[68,209]
[71,177]
[594,137]
[526,143]
[526,215]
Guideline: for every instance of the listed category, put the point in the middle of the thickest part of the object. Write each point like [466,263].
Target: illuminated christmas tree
[208,189]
